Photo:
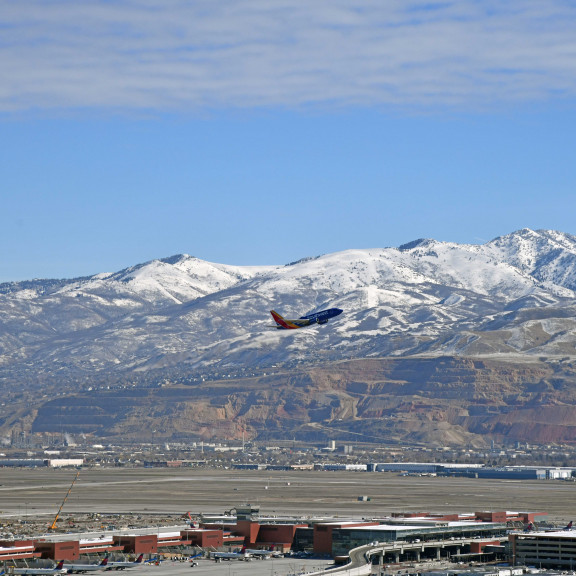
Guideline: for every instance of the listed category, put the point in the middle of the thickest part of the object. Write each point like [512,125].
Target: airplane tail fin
[276,316]
[139,559]
[60,565]
[104,561]
[281,322]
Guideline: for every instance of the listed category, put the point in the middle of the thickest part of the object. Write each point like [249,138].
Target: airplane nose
[338,311]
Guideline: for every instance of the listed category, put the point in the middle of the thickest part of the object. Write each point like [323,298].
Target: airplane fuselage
[323,316]
[36,571]
[83,568]
[123,565]
[59,569]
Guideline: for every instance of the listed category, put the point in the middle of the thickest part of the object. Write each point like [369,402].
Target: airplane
[262,554]
[112,565]
[58,569]
[219,556]
[569,526]
[83,568]
[316,318]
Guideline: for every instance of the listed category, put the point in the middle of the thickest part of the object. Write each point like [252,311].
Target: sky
[255,132]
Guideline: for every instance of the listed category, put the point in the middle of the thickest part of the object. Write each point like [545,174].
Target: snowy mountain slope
[50,313]
[176,279]
[513,295]
[548,256]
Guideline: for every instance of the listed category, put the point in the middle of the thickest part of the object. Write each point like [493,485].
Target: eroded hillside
[433,401]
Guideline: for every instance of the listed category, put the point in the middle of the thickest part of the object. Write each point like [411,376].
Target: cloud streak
[195,55]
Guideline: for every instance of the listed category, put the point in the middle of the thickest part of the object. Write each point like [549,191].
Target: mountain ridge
[512,299]
[423,289]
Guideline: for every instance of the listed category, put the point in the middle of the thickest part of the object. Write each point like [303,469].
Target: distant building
[41,463]
[63,462]
[23,462]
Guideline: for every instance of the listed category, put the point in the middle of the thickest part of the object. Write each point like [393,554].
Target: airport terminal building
[457,536]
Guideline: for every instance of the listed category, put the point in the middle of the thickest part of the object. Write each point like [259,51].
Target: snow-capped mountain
[514,295]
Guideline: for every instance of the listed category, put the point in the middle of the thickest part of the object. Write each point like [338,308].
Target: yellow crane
[53,525]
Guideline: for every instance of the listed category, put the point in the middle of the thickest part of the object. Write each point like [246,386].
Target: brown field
[39,492]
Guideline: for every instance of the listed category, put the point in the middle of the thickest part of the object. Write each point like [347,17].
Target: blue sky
[257,132]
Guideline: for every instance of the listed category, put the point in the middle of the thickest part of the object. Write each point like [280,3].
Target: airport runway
[30,493]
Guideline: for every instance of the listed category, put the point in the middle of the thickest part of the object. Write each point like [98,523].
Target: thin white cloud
[193,55]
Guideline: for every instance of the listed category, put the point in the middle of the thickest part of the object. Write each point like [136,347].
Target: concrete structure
[63,550]
[140,544]
[247,528]
[431,540]
[555,549]
[324,534]
[18,550]
[204,538]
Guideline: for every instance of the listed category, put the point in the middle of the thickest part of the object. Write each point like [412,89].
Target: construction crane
[53,525]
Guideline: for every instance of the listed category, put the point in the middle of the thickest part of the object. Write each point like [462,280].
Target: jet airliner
[83,568]
[113,565]
[315,318]
[242,555]
[25,571]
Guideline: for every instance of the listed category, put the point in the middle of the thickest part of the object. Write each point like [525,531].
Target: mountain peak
[513,295]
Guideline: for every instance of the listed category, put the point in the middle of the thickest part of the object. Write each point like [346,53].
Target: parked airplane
[242,555]
[262,554]
[113,565]
[315,318]
[58,569]
[83,568]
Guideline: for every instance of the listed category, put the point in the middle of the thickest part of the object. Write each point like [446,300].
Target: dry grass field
[36,493]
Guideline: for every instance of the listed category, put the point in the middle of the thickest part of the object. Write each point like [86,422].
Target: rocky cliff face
[434,402]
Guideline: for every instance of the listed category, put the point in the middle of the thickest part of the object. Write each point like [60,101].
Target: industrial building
[476,470]
[429,468]
[41,462]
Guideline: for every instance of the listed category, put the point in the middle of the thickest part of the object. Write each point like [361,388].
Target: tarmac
[27,494]
[270,567]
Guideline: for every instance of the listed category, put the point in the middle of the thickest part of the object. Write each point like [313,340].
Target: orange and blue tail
[282,322]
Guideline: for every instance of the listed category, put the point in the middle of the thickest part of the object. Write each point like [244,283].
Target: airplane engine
[321,321]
